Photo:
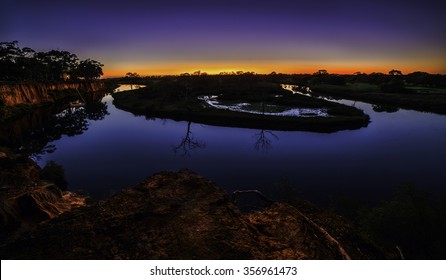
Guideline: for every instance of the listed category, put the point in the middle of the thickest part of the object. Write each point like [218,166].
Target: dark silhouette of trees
[394,72]
[12,58]
[321,72]
[131,75]
[89,70]
[394,85]
[322,77]
[57,65]
[22,64]
[132,78]
[425,79]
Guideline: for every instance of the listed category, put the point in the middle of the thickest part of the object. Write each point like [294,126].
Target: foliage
[55,173]
[414,220]
[397,95]
[394,85]
[132,75]
[22,64]
[89,69]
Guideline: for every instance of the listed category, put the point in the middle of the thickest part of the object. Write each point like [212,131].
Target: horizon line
[234,73]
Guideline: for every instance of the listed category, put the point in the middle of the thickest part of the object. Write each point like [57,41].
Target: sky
[172,36]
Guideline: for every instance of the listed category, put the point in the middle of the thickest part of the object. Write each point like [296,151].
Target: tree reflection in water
[188,143]
[264,141]
[32,134]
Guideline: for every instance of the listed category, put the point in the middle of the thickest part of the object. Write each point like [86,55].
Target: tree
[89,69]
[59,65]
[14,61]
[9,51]
[131,75]
[321,72]
[394,72]
[21,64]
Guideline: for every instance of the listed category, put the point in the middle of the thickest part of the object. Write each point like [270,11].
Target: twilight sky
[176,36]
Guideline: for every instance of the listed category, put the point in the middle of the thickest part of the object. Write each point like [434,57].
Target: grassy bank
[176,98]
[415,98]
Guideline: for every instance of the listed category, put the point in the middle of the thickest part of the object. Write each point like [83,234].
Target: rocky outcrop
[26,201]
[37,93]
[176,215]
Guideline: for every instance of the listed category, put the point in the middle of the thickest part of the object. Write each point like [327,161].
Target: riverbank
[181,100]
[19,98]
[433,101]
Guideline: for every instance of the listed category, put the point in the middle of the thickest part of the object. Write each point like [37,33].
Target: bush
[55,173]
[394,86]
[415,222]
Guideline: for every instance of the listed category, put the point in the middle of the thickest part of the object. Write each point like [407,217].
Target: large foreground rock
[175,215]
[26,200]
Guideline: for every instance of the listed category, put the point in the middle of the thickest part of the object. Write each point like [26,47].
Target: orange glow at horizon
[266,68]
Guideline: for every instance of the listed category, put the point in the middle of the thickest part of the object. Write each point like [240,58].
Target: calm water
[118,150]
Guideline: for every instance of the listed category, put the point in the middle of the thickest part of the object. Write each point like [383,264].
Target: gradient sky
[172,36]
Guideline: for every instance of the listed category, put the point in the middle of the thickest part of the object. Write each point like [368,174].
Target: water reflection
[188,143]
[121,149]
[31,133]
[380,108]
[96,111]
[384,108]
[126,87]
[264,141]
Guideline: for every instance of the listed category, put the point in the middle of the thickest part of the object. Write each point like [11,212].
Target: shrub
[55,173]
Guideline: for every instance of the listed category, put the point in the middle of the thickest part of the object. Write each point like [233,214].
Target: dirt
[176,215]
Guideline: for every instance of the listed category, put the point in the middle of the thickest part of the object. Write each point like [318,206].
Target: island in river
[235,101]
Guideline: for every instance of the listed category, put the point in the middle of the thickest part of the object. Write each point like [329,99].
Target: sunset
[194,138]
[172,37]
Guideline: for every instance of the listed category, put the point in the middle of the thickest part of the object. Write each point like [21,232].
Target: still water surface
[121,149]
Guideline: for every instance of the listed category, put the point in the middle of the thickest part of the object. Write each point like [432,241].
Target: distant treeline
[25,64]
[393,81]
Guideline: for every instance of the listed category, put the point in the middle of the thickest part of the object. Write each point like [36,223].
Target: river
[117,150]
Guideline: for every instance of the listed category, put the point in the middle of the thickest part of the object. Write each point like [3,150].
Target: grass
[419,89]
[414,220]
[177,100]
[422,99]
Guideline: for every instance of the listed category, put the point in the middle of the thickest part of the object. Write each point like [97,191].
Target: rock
[3,155]
[26,201]
[173,215]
